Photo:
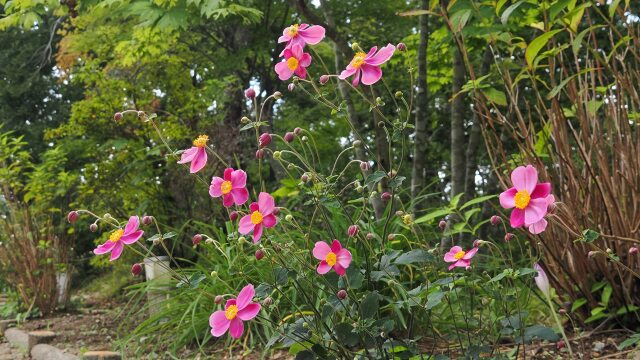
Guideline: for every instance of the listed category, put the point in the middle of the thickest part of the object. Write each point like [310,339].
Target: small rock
[598,346]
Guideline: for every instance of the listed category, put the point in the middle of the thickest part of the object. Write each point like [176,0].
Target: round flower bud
[560,344]
[392,173]
[291,166]
[495,219]
[562,311]
[289,217]
[250,93]
[391,237]
[591,254]
[268,301]
[259,254]
[245,120]
[370,236]
[468,268]
[277,95]
[288,137]
[107,216]
[277,155]
[136,269]
[364,166]
[264,140]
[324,79]
[355,46]
[242,240]
[360,189]
[633,250]
[291,87]
[399,94]
[379,101]
[442,225]
[117,116]
[304,139]
[609,251]
[93,227]
[219,299]
[353,230]
[72,216]
[304,178]
[297,131]
[401,47]
[399,213]
[214,274]
[196,239]
[276,211]
[386,196]
[342,294]
[357,143]
[259,154]
[233,216]
[508,237]
[146,220]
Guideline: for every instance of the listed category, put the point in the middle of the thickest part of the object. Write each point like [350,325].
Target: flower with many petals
[459,257]
[331,257]
[530,199]
[260,216]
[196,155]
[367,66]
[301,34]
[235,312]
[295,62]
[232,187]
[121,237]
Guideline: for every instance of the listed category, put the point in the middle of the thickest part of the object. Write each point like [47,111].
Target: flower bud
[291,166]
[136,269]
[259,254]
[259,154]
[324,79]
[304,178]
[468,268]
[276,211]
[392,173]
[245,120]
[291,87]
[360,189]
[609,251]
[250,93]
[401,47]
[268,301]
[442,225]
[560,344]
[297,131]
[289,217]
[364,166]
[277,95]
[219,299]
[495,219]
[379,101]
[407,219]
[304,139]
[93,227]
[391,237]
[277,155]
[342,294]
[117,116]
[353,230]
[370,236]
[72,216]
[233,216]
[242,240]
[196,239]
[562,311]
[264,140]
[146,220]
[399,94]
[386,196]
[591,254]
[288,137]
[633,250]
[214,274]
[508,237]
[107,216]
[141,114]
[399,213]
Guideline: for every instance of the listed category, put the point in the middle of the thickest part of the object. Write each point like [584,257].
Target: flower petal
[219,323]
[336,246]
[116,251]
[305,60]
[525,178]
[245,296]
[269,221]
[104,248]
[541,190]
[296,52]
[312,35]
[132,225]
[323,268]
[283,71]
[199,161]
[301,72]
[382,56]
[132,238]
[370,74]
[249,312]
[356,78]
[215,190]
[538,227]
[227,200]
[517,218]
[321,250]
[236,328]
[240,196]
[535,211]
[266,203]
[508,198]
[469,254]
[238,179]
[254,207]
[257,233]
[346,73]
[245,225]
[188,155]
[227,174]
[343,258]
[339,269]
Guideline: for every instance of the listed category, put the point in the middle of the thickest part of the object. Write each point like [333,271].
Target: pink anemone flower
[232,187]
[335,257]
[260,216]
[197,155]
[235,312]
[529,199]
[367,66]
[296,62]
[459,257]
[301,34]
[119,238]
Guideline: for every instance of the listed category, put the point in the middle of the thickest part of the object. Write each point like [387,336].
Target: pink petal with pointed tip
[336,246]
[188,155]
[132,225]
[257,233]
[356,78]
[469,254]
[371,52]
[346,73]
[249,312]
[311,35]
[104,248]
[245,296]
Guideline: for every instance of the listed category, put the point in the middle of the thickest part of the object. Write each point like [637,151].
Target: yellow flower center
[231,312]
[292,63]
[331,259]
[293,30]
[522,199]
[201,141]
[256,217]
[358,60]
[225,187]
[459,255]
[116,235]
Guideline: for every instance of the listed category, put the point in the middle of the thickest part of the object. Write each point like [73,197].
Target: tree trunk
[421,138]
[457,126]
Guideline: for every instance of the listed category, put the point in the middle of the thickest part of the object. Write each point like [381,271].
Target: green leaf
[459,19]
[495,96]
[612,8]
[414,256]
[632,340]
[590,235]
[536,45]
[434,299]
[477,200]
[432,215]
[505,15]
[540,332]
[578,304]
[369,306]
[375,177]
[606,295]
[345,334]
[455,200]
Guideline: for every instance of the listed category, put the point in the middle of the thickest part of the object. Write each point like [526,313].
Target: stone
[40,337]
[101,355]
[17,338]
[5,324]
[48,352]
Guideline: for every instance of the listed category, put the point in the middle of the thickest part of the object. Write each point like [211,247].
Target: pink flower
[459,257]
[261,215]
[542,280]
[119,238]
[232,187]
[197,155]
[368,65]
[335,257]
[235,312]
[296,62]
[530,199]
[301,34]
